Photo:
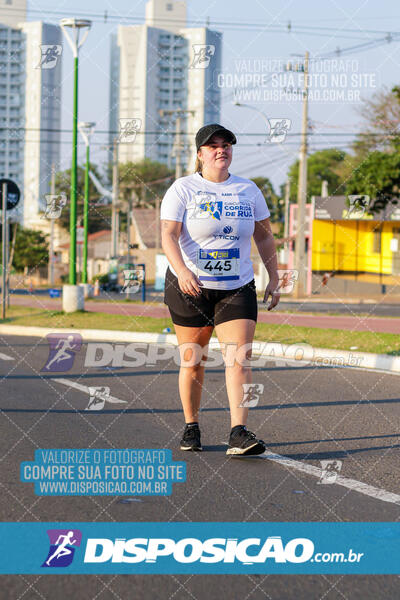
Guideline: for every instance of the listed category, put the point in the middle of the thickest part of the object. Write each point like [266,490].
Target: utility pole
[51,244]
[178,146]
[286,225]
[131,201]
[114,208]
[86,128]
[299,263]
[4,250]
[178,139]
[7,234]
[157,224]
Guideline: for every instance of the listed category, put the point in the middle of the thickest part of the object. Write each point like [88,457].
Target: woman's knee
[192,355]
[237,355]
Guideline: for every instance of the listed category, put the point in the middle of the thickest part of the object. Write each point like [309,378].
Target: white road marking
[84,388]
[5,357]
[351,484]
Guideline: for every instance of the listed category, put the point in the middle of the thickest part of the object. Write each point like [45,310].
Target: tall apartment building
[163,65]
[30,108]
[42,118]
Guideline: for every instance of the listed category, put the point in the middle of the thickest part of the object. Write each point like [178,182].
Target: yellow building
[351,240]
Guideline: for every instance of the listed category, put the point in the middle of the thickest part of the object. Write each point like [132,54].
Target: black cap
[205,133]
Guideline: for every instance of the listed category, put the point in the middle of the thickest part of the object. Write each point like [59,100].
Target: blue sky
[334,120]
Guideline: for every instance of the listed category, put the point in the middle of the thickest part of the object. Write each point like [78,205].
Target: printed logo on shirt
[236,194]
[226,234]
[212,208]
[238,210]
[206,206]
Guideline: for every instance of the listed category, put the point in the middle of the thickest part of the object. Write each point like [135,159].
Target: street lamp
[86,128]
[77,26]
[255,109]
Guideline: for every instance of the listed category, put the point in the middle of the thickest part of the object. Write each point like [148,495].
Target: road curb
[300,354]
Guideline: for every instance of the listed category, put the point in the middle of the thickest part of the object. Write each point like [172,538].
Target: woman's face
[217,154]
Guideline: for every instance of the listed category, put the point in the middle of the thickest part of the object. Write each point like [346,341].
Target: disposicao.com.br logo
[248,551]
[214,548]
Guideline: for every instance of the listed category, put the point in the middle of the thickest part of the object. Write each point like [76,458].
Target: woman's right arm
[188,282]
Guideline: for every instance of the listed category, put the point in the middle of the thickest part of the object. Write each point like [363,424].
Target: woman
[207,220]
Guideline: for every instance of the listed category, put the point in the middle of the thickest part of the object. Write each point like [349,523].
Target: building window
[169,6]
[377,241]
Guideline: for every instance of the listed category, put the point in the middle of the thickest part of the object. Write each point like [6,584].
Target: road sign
[13,193]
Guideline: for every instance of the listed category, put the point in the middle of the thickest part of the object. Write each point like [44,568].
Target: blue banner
[214,548]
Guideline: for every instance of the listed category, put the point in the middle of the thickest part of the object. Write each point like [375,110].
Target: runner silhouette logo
[62,350]
[213,208]
[63,543]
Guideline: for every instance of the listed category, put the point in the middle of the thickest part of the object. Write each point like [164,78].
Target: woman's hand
[272,290]
[189,283]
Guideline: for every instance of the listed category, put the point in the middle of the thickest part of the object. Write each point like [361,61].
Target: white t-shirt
[217,226]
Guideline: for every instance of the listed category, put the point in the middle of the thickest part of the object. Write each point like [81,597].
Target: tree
[378,176]
[381,114]
[377,151]
[331,165]
[99,215]
[31,249]
[138,177]
[275,204]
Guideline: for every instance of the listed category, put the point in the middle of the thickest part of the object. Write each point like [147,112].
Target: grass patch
[337,339]
[137,300]
[33,317]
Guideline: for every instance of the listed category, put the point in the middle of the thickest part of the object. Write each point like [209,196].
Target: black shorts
[212,307]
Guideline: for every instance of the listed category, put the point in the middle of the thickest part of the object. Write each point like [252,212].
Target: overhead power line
[106,17]
[277,27]
[192,134]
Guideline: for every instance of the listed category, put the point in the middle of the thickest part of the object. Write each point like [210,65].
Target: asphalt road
[306,413]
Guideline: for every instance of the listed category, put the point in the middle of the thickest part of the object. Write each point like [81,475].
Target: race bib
[218,265]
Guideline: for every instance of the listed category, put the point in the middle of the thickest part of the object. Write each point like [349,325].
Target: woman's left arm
[265,243]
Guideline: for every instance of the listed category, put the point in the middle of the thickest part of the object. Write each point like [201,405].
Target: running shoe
[244,443]
[191,438]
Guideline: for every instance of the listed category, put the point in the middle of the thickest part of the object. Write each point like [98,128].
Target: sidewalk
[324,357]
[159,310]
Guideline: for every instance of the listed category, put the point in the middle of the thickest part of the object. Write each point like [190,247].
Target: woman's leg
[191,373]
[234,335]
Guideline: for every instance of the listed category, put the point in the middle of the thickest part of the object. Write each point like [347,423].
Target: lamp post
[76,26]
[86,128]
[253,108]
